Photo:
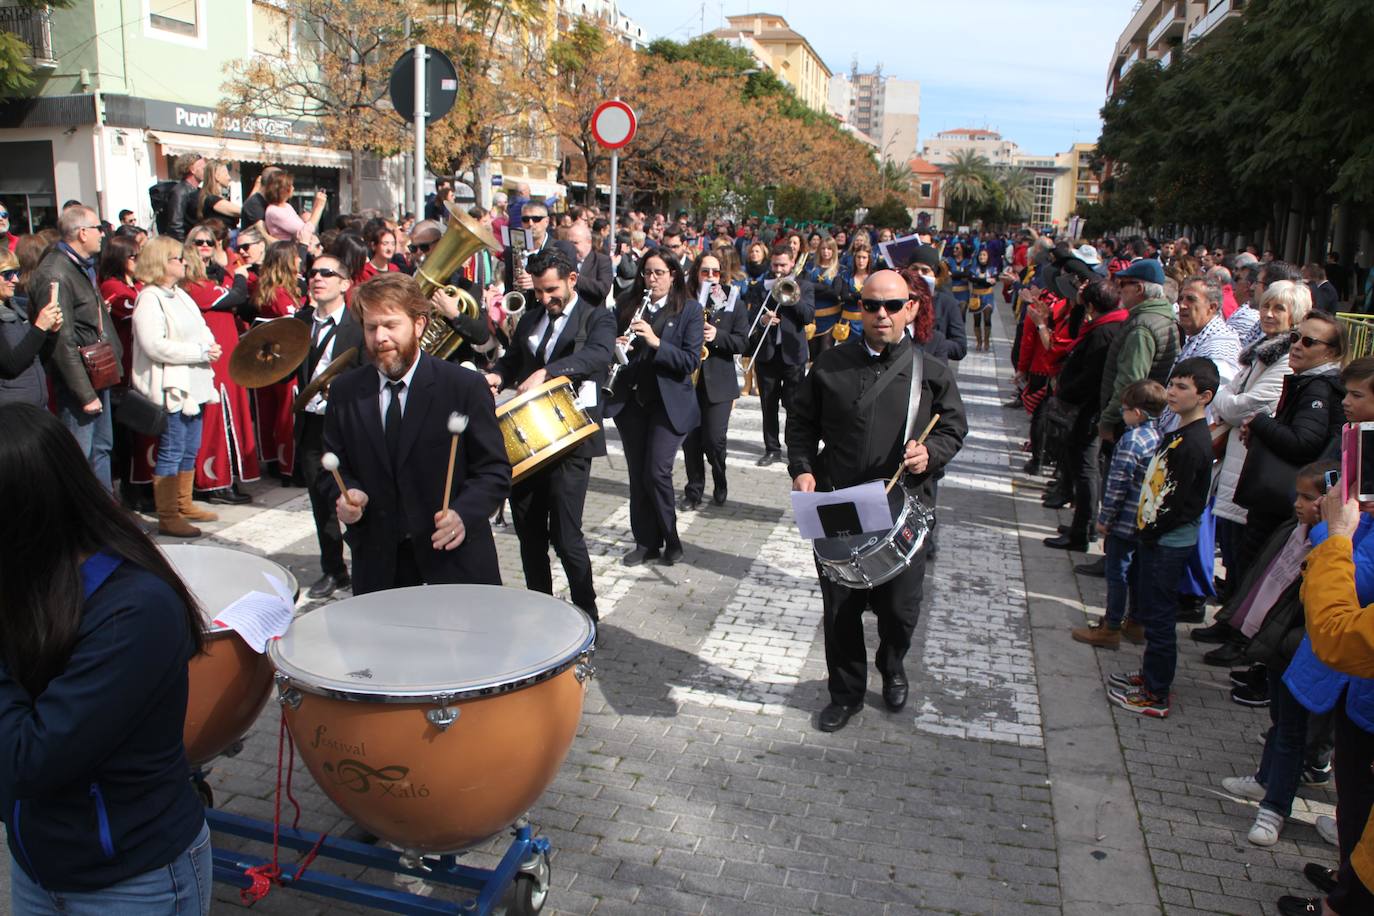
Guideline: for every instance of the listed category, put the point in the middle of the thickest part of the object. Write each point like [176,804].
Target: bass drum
[542,425]
[435,716]
[229,682]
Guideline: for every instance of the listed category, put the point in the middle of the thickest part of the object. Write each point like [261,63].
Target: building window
[927,189]
[179,16]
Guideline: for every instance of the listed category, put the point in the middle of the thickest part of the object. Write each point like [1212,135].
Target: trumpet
[622,353]
[788,292]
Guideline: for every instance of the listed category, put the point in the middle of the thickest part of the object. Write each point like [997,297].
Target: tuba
[464,238]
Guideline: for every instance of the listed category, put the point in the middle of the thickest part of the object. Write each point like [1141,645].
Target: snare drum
[435,716]
[229,682]
[872,558]
[542,425]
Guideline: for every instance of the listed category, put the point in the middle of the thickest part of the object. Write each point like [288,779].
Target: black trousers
[650,447]
[547,509]
[707,443]
[897,605]
[1083,471]
[1355,788]
[778,383]
[317,483]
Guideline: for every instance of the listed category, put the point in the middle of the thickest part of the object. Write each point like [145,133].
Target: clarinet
[622,353]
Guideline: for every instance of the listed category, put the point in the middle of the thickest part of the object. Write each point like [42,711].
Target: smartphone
[1364,489]
[1330,479]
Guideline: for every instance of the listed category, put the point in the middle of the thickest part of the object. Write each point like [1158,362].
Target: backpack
[160,196]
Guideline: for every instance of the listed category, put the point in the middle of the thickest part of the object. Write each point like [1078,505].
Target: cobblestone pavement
[698,784]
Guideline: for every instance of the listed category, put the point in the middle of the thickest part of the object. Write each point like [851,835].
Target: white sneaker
[1267,827]
[1244,786]
[1326,827]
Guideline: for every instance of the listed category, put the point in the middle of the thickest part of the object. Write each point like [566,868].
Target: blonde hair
[151,266]
[392,290]
[195,267]
[8,259]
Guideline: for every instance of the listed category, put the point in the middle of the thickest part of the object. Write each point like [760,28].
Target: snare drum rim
[520,400]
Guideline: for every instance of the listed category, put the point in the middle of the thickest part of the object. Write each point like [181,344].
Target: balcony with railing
[1171,24]
[34,28]
[1219,13]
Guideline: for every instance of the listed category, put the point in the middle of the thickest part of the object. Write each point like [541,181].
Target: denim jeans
[1120,571]
[178,445]
[1156,587]
[94,433]
[1280,768]
[181,888]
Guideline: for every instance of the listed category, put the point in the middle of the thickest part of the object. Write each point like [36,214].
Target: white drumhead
[218,576]
[408,643]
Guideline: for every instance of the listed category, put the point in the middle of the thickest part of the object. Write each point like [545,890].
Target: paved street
[698,784]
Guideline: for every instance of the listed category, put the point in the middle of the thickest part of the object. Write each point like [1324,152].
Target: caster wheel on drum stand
[530,889]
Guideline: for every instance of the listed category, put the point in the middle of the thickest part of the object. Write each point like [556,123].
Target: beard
[394,362]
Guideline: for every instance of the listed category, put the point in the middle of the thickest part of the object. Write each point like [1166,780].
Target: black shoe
[1014,403]
[327,585]
[718,495]
[1055,501]
[895,689]
[835,717]
[1218,633]
[1067,542]
[1254,676]
[1300,906]
[1092,534]
[1096,569]
[1250,696]
[639,555]
[1191,609]
[224,495]
[1031,467]
[769,458]
[671,555]
[1320,876]
[1227,656]
[688,503]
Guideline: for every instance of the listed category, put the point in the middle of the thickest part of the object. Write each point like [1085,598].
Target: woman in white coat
[173,349]
[1254,389]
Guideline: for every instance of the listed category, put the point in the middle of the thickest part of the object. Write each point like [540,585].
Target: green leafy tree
[890,212]
[895,177]
[16,76]
[1016,192]
[968,182]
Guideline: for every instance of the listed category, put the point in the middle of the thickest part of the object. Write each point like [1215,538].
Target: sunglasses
[204,243]
[4,214]
[532,219]
[9,276]
[710,271]
[1300,337]
[326,272]
[244,248]
[421,248]
[892,305]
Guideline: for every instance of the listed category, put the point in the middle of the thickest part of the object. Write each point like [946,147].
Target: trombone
[622,353]
[788,292]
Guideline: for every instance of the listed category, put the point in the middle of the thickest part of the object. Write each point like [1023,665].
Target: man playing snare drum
[855,401]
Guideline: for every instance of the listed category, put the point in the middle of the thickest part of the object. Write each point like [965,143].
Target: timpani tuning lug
[286,694]
[584,672]
[444,716]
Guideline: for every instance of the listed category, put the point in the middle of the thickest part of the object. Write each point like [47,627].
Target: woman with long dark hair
[653,403]
[726,332]
[96,630]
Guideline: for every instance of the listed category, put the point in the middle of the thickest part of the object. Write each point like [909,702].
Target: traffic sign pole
[420,115]
[615,178]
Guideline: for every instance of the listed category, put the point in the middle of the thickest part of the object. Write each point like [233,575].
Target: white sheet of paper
[258,616]
[869,498]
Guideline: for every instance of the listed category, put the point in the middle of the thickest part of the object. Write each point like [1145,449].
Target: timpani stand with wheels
[434,717]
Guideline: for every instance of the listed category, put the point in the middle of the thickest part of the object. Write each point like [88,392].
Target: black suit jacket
[949,320]
[671,365]
[718,380]
[582,352]
[349,334]
[402,500]
[795,318]
[594,278]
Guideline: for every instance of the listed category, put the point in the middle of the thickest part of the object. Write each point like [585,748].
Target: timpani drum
[435,716]
[229,682]
[542,425]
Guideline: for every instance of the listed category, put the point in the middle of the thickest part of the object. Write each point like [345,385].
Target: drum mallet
[330,461]
[901,467]
[457,422]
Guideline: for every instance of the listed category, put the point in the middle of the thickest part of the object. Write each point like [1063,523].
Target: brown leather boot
[1099,636]
[186,480]
[169,520]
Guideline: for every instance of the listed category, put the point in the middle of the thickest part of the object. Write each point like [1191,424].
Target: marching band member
[781,362]
[726,331]
[823,274]
[475,330]
[534,216]
[855,402]
[848,286]
[334,330]
[574,338]
[386,423]
[652,402]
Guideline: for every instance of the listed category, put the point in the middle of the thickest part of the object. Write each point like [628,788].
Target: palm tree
[895,177]
[968,180]
[1018,192]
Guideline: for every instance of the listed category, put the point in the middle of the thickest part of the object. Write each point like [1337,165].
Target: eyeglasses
[420,247]
[1300,337]
[892,305]
[532,219]
[84,228]
[657,272]
[9,276]
[4,214]
[326,272]
[244,248]
[710,271]
[203,243]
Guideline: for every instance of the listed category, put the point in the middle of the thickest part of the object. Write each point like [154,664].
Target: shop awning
[234,150]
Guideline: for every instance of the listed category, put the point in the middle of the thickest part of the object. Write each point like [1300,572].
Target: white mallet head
[457,423]
[330,461]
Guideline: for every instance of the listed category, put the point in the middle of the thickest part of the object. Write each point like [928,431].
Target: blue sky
[1035,70]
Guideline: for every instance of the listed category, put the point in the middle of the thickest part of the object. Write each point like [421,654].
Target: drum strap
[913,405]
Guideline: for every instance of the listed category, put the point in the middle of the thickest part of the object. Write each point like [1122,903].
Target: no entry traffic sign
[613,124]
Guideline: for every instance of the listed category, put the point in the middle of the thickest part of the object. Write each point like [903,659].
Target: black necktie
[544,341]
[393,421]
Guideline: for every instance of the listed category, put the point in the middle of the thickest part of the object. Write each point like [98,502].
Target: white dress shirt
[319,328]
[559,324]
[384,396]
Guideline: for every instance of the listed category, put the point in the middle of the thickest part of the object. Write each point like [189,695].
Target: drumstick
[457,422]
[901,467]
[330,461]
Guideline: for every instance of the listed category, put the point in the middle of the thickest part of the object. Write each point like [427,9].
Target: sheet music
[870,499]
[258,616]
